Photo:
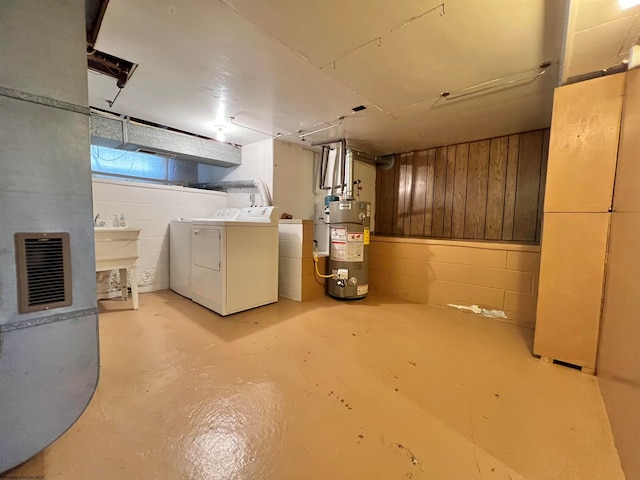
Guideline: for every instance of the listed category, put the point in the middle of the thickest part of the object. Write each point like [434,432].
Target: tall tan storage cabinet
[583,150]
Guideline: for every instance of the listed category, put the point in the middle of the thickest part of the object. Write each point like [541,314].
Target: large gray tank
[349,249]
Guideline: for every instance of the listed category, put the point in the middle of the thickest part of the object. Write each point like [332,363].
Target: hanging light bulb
[220,133]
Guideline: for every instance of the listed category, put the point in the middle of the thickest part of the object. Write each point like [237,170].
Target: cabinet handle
[196,232]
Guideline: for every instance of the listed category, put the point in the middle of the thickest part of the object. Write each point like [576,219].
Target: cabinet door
[584,145]
[207,268]
[574,248]
[206,248]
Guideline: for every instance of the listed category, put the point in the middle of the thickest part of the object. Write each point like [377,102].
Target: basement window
[116,164]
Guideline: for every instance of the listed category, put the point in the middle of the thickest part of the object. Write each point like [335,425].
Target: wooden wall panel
[431,174]
[496,188]
[477,180]
[439,188]
[485,190]
[385,198]
[510,187]
[398,195]
[408,185]
[525,219]
[448,196]
[402,205]
[460,190]
[418,194]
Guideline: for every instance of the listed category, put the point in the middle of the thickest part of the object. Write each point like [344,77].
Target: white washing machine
[234,264]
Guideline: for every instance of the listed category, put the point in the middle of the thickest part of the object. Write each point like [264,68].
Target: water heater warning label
[339,233]
[347,248]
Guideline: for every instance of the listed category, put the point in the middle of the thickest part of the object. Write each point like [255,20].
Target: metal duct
[385,161]
[365,157]
[262,187]
[347,192]
[350,155]
[121,133]
[343,163]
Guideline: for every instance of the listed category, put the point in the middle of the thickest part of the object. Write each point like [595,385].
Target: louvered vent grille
[44,271]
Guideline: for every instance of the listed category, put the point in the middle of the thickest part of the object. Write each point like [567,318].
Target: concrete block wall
[149,207]
[495,276]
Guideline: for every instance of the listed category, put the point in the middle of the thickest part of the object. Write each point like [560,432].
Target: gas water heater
[349,249]
[349,221]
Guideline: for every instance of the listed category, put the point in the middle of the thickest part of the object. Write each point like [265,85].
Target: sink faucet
[95,220]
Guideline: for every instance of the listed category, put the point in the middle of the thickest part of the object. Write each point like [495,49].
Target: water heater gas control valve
[342,274]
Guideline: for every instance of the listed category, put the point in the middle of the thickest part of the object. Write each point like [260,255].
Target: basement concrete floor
[375,389]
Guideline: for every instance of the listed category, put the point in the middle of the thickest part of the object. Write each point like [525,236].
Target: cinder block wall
[150,208]
[498,276]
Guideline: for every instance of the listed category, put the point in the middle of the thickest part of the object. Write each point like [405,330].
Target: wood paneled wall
[485,190]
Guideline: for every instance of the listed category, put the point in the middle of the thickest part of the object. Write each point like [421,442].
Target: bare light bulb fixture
[220,133]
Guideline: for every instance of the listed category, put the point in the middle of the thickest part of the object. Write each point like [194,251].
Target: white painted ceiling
[599,35]
[280,66]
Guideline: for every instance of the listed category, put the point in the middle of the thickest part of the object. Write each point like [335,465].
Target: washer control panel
[258,214]
[226,214]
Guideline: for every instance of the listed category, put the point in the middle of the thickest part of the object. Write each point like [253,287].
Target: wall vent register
[43,264]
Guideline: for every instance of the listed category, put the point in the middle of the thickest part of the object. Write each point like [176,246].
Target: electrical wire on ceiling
[301,133]
[232,121]
[379,38]
[497,83]
[354,111]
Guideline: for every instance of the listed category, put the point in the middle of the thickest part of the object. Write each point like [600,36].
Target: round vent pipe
[258,183]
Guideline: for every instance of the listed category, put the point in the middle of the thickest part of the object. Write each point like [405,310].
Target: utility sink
[117,249]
